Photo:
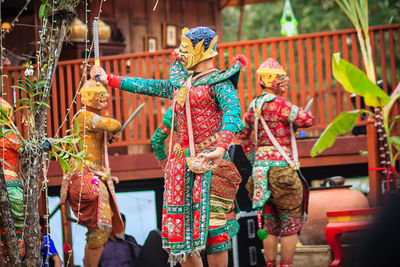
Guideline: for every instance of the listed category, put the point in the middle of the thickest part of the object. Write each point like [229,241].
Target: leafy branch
[45,6]
[357,82]
[65,149]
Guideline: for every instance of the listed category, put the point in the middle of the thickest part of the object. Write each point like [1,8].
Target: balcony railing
[307,59]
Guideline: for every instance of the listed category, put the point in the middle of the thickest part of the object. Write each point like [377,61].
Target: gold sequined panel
[92,128]
[96,238]
[208,144]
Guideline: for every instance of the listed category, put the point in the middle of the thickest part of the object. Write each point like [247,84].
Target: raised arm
[151,87]
[227,98]
[95,122]
[292,113]
[161,88]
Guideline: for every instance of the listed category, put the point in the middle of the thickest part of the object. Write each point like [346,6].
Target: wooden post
[241,20]
[375,184]
[43,208]
[67,233]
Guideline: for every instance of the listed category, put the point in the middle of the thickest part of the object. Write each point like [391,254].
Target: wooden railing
[307,59]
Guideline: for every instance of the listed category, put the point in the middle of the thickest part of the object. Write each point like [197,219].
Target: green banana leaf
[340,125]
[386,110]
[355,81]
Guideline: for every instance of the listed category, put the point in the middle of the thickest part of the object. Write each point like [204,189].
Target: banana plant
[357,82]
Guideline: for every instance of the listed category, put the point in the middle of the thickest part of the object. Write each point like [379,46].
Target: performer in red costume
[206,113]
[278,190]
[10,149]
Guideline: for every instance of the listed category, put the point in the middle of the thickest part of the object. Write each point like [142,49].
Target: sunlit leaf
[43,11]
[64,165]
[388,107]
[22,100]
[21,107]
[355,81]
[394,140]
[340,125]
[20,88]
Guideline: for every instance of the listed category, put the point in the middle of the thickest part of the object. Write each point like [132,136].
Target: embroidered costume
[10,152]
[158,144]
[277,187]
[89,187]
[208,104]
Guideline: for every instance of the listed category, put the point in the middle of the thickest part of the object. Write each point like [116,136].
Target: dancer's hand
[115,179]
[114,137]
[99,71]
[215,157]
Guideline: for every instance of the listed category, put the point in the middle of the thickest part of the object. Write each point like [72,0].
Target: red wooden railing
[307,59]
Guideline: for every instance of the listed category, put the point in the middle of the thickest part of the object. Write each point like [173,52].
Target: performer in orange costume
[10,152]
[89,187]
[277,187]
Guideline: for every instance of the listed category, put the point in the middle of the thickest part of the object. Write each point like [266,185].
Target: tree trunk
[7,222]
[51,45]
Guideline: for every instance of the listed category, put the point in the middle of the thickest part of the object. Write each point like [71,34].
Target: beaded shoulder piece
[268,98]
[178,75]
[231,74]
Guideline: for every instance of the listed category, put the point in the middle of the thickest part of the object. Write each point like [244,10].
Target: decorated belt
[272,148]
[10,173]
[179,151]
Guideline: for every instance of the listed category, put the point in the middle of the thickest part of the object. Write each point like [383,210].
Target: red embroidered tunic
[9,147]
[278,114]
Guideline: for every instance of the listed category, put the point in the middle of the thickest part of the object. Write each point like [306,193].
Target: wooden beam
[333,160]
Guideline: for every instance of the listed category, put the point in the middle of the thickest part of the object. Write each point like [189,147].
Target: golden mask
[189,56]
[268,75]
[94,95]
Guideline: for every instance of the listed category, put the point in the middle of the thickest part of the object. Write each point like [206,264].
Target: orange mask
[94,95]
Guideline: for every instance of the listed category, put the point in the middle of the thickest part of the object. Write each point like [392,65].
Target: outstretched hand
[115,179]
[113,137]
[99,71]
[215,157]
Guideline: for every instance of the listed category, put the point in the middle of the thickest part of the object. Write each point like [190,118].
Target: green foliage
[65,149]
[262,20]
[386,111]
[355,81]
[7,126]
[55,5]
[31,102]
[340,125]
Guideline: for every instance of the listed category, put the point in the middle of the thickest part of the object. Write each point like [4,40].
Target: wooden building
[136,25]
